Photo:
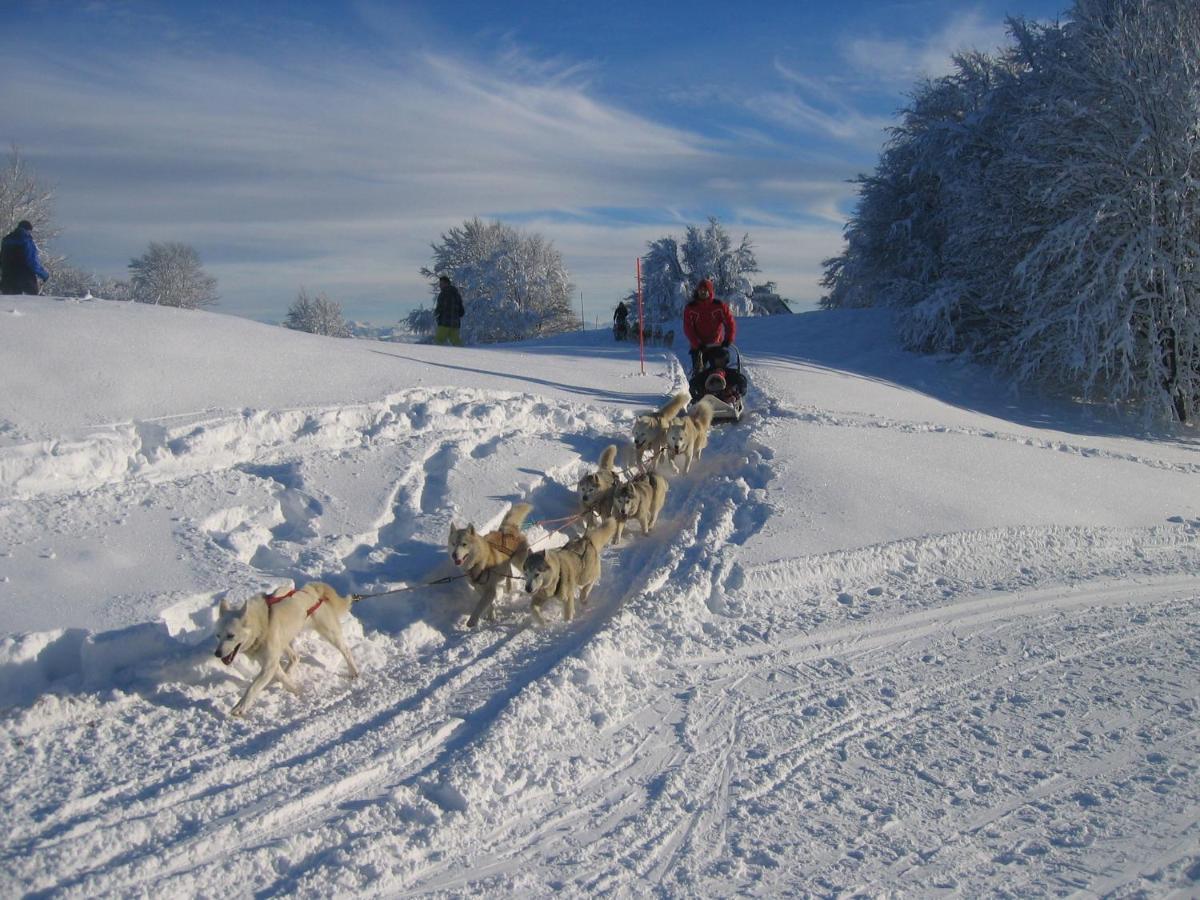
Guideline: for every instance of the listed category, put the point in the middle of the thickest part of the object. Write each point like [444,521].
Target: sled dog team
[266,625]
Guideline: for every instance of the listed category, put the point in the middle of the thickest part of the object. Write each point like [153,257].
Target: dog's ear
[224,606]
[471,530]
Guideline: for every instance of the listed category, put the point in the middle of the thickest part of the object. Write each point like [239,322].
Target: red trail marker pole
[641,318]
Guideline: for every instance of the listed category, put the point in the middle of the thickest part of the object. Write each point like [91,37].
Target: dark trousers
[19,284]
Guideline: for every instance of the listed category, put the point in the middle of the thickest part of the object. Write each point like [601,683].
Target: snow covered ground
[901,632]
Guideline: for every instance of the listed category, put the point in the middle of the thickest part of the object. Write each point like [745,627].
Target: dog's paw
[237,712]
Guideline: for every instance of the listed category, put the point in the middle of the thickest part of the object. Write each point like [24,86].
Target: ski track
[937,715]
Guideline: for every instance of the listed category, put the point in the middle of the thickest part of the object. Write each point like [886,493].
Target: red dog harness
[279,598]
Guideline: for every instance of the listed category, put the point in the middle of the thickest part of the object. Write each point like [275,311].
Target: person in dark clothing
[621,321]
[449,311]
[20,268]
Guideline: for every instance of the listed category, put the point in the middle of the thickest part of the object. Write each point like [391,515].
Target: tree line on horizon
[1039,209]
[514,284]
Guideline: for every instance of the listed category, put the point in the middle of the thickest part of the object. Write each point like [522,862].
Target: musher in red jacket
[710,329]
[708,323]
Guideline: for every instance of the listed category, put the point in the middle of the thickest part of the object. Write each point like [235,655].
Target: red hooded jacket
[708,321]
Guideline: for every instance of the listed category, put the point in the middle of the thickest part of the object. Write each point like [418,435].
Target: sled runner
[722,381]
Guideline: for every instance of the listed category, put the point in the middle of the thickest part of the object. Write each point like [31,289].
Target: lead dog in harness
[266,626]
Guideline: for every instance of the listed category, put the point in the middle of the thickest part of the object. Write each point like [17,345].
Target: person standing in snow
[20,268]
[621,321]
[449,312]
[708,323]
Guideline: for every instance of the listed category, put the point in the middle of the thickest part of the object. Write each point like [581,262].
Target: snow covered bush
[170,274]
[671,271]
[1039,209]
[421,321]
[316,314]
[514,284]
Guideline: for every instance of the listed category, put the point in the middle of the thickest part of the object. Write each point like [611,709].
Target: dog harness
[279,598]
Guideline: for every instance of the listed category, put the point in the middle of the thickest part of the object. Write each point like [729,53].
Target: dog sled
[722,381]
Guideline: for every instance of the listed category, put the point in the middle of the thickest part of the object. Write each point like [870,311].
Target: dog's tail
[659,484]
[673,407]
[608,457]
[702,415]
[326,594]
[602,535]
[515,518]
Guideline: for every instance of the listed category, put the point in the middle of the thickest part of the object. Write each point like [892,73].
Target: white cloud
[338,175]
[896,64]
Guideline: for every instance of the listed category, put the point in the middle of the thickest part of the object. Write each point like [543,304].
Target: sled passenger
[449,312]
[708,325]
[20,268]
[717,378]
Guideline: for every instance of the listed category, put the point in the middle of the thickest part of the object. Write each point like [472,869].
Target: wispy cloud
[337,172]
[897,63]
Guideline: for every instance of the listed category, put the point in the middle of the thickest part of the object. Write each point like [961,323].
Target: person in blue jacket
[20,268]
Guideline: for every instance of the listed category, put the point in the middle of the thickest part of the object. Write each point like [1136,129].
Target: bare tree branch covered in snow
[671,271]
[316,314]
[1041,210]
[170,274]
[514,285]
[24,195]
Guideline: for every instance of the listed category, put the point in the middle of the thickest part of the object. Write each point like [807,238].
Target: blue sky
[327,145]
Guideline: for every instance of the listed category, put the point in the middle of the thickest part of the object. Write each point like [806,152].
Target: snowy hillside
[899,632]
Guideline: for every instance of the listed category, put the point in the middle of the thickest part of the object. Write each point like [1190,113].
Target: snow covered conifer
[316,314]
[170,274]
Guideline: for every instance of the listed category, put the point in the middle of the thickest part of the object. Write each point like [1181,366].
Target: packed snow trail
[751,702]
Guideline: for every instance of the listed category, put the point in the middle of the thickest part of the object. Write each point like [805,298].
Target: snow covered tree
[316,314]
[710,253]
[1109,289]
[664,283]
[170,274]
[24,195]
[514,285]
[671,271]
[1039,210]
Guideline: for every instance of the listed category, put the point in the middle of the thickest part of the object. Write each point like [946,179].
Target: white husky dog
[489,558]
[558,573]
[688,436]
[642,498]
[650,429]
[265,627]
[596,488]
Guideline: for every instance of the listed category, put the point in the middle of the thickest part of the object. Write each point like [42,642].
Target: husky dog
[596,488]
[265,627]
[650,429]
[489,558]
[688,436]
[557,574]
[642,499]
